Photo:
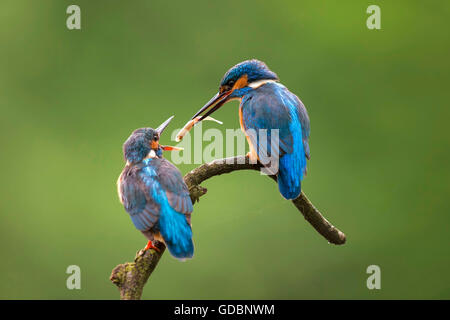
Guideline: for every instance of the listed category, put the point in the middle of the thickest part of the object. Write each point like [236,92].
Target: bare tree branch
[131,278]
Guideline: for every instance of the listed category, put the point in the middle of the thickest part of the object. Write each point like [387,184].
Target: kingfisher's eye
[228,86]
[155,137]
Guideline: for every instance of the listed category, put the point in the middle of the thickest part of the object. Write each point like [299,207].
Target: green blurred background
[378,102]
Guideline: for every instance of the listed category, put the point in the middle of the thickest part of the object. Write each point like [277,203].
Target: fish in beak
[223,96]
[212,105]
[191,123]
[220,98]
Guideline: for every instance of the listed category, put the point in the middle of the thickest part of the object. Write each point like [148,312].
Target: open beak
[212,105]
[170,148]
[163,125]
[160,130]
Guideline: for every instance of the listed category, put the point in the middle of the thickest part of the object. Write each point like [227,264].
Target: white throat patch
[151,154]
[259,83]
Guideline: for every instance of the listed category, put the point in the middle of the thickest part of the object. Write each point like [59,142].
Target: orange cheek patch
[241,83]
[154,145]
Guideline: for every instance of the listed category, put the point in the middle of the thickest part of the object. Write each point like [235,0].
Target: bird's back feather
[154,194]
[269,107]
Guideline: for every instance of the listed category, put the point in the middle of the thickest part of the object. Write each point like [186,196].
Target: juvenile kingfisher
[267,104]
[153,192]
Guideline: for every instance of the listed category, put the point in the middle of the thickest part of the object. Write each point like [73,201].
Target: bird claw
[150,245]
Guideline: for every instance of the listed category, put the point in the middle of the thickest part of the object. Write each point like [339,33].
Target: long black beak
[163,125]
[215,103]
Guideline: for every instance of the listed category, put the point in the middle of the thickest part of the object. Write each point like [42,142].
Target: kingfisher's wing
[136,196]
[176,208]
[176,190]
[273,107]
[304,121]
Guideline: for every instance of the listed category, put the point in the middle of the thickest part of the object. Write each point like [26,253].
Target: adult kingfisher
[153,192]
[265,105]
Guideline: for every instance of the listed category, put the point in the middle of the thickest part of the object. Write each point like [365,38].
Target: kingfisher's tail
[177,233]
[290,176]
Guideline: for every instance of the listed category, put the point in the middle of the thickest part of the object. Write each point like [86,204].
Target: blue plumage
[175,230]
[254,69]
[266,105]
[153,192]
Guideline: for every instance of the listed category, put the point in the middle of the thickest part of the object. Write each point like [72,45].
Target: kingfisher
[265,105]
[154,194]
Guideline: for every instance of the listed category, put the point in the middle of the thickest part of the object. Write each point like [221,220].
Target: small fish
[190,124]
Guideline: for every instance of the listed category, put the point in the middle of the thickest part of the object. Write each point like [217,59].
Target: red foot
[151,246]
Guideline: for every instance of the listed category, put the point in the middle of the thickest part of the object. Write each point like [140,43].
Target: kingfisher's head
[144,143]
[236,83]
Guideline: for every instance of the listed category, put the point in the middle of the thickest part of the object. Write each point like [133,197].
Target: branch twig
[131,278]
